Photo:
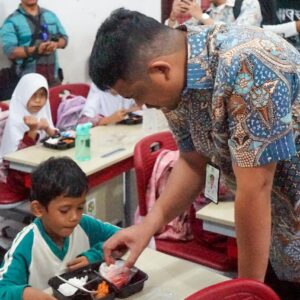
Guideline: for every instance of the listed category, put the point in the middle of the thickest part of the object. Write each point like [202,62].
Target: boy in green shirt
[61,238]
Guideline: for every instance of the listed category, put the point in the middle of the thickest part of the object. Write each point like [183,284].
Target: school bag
[267,7]
[69,111]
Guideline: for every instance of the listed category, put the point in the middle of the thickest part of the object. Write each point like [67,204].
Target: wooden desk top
[221,213]
[104,139]
[171,277]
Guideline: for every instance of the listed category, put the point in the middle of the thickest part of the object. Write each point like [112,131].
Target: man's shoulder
[47,11]
[24,239]
[13,16]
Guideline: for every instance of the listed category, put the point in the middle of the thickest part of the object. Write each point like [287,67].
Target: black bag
[8,82]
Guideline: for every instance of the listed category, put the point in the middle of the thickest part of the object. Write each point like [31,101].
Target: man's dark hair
[124,44]
[57,177]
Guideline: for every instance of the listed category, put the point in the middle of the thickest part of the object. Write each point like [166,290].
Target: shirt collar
[198,71]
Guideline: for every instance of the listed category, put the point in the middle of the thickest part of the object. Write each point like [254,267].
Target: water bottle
[83,142]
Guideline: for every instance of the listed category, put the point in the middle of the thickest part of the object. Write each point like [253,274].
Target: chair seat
[9,199]
[194,251]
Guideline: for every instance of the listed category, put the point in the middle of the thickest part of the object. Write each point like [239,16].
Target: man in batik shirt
[231,96]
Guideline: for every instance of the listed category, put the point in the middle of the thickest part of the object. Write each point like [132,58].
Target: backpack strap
[237,8]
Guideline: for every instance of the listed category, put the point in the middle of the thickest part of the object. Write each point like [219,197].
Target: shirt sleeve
[27,141]
[286,30]
[14,272]
[259,114]
[9,37]
[179,125]
[98,232]
[250,14]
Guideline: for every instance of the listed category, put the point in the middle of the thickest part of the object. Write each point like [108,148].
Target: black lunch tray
[132,119]
[94,278]
[61,144]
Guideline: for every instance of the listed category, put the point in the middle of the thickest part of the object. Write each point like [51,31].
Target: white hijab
[15,127]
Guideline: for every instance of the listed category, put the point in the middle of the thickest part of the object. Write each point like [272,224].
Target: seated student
[104,108]
[219,12]
[28,122]
[60,238]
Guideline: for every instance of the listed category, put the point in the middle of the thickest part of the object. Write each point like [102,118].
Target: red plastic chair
[4,106]
[145,154]
[236,289]
[81,89]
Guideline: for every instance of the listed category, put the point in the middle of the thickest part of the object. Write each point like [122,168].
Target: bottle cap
[82,129]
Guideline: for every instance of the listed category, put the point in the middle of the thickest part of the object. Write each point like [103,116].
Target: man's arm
[253,219]
[184,183]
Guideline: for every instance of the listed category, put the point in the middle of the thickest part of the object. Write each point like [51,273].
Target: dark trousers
[286,290]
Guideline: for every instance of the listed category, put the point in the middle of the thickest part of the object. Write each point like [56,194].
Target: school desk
[218,218]
[112,149]
[171,277]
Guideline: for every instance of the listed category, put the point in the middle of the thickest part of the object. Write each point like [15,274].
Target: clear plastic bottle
[83,142]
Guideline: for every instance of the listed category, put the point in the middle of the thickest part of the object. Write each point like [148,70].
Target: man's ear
[37,208]
[159,71]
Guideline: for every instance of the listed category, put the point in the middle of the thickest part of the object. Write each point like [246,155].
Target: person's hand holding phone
[192,7]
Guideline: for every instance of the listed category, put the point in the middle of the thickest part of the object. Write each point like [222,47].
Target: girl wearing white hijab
[29,121]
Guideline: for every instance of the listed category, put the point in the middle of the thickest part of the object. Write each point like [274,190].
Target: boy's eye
[80,207]
[63,211]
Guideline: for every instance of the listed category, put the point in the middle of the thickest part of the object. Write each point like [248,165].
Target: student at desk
[104,108]
[60,237]
[28,122]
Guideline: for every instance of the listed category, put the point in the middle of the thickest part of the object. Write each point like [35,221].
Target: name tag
[212,182]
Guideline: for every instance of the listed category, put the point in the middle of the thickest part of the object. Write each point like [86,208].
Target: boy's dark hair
[124,44]
[57,177]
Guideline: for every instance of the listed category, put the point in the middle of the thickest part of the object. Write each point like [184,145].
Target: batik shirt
[240,106]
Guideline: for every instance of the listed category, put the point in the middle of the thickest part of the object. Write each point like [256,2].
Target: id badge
[212,181]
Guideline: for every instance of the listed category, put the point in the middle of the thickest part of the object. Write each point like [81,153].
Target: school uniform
[15,134]
[34,258]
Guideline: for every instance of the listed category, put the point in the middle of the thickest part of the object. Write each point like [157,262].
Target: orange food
[102,290]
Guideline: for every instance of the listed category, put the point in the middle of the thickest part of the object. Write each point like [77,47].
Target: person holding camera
[219,12]
[30,36]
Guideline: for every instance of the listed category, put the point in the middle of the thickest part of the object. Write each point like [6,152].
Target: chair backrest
[145,154]
[4,106]
[236,289]
[80,89]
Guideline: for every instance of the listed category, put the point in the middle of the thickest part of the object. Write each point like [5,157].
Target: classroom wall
[81,19]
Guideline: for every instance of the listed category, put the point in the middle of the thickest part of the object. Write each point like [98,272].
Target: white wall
[81,19]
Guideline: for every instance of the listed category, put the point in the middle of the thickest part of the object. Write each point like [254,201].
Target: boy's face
[37,101]
[62,216]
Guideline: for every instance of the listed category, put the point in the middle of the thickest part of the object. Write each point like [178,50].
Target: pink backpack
[69,111]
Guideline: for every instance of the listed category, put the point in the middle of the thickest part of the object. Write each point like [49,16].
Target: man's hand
[77,263]
[34,294]
[134,238]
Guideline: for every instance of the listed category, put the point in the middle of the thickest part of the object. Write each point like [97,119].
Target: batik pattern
[240,106]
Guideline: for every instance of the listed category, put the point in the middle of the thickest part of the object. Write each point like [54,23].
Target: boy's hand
[77,263]
[32,122]
[31,293]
